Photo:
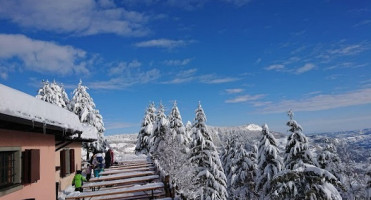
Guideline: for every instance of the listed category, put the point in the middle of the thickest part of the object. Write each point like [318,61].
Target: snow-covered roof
[18,104]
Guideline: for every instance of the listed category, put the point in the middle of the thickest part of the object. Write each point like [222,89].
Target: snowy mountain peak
[253,127]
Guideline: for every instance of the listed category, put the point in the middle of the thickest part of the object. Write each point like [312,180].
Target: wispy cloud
[43,56]
[190,75]
[234,90]
[282,67]
[322,102]
[87,17]
[123,67]
[177,62]
[245,98]
[275,67]
[163,43]
[125,75]
[213,79]
[362,23]
[238,3]
[183,77]
[307,67]
[344,65]
[346,50]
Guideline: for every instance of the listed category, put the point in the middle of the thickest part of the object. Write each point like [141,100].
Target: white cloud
[42,56]
[123,67]
[213,79]
[177,62]
[276,67]
[125,75]
[183,77]
[348,50]
[245,98]
[163,43]
[307,67]
[234,90]
[83,17]
[322,102]
[238,3]
[189,75]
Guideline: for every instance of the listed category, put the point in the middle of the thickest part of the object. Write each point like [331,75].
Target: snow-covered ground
[123,146]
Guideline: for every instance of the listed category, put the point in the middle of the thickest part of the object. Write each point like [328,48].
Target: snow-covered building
[40,146]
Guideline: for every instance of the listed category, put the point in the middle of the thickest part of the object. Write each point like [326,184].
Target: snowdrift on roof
[18,104]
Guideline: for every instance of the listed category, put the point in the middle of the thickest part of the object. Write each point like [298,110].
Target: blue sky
[247,61]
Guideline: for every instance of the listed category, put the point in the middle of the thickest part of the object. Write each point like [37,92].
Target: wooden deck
[129,180]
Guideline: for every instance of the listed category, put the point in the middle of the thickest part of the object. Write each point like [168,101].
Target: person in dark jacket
[78,180]
[108,159]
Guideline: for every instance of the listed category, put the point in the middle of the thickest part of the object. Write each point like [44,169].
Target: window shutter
[63,163]
[30,166]
[26,164]
[35,165]
[72,161]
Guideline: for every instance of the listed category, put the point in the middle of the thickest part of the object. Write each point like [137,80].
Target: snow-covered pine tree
[242,173]
[172,154]
[269,162]
[160,131]
[302,179]
[64,97]
[368,186]
[225,157]
[188,128]
[329,159]
[297,149]
[54,94]
[84,107]
[143,140]
[211,179]
[176,126]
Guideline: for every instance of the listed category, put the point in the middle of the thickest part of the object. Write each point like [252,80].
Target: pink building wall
[43,189]
[67,181]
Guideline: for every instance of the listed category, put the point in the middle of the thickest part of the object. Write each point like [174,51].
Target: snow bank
[18,104]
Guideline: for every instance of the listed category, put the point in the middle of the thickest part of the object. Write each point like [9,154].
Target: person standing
[108,159]
[78,180]
[98,163]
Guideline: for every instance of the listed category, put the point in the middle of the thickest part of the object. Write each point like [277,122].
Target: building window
[7,168]
[67,160]
[10,169]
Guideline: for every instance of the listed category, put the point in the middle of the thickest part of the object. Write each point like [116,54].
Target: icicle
[44,128]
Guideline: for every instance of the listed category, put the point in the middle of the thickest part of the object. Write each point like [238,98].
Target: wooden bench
[121,182]
[131,196]
[106,172]
[138,188]
[131,166]
[122,176]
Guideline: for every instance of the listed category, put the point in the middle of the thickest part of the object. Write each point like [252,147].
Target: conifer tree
[143,140]
[269,162]
[176,126]
[243,173]
[211,179]
[368,186]
[160,131]
[301,179]
[84,107]
[54,94]
[329,159]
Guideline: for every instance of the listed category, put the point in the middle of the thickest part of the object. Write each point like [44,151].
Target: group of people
[96,165]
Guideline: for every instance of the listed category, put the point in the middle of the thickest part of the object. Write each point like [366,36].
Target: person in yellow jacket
[78,180]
